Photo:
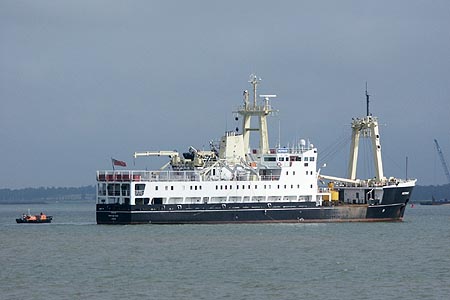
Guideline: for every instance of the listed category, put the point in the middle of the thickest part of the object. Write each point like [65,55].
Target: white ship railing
[147,176]
[156,176]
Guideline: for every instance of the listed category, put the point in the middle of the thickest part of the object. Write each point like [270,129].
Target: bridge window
[102,189]
[125,188]
[114,189]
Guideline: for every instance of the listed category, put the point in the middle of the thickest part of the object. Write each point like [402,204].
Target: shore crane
[443,162]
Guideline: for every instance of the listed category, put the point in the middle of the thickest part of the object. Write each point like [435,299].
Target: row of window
[192,187]
[116,189]
[230,187]
[205,200]
[291,158]
[231,199]
[243,187]
[293,172]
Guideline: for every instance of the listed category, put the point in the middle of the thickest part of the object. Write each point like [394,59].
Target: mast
[259,111]
[368,127]
[367,101]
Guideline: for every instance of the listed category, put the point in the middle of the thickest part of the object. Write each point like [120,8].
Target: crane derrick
[443,162]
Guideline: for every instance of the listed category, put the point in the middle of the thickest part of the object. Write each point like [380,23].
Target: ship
[435,201]
[234,183]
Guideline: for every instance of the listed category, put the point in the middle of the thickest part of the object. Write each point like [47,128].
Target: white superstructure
[233,173]
[232,182]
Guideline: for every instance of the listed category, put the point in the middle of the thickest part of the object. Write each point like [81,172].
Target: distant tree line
[47,193]
[88,193]
[429,191]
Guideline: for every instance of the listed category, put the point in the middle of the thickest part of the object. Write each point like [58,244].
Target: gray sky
[84,81]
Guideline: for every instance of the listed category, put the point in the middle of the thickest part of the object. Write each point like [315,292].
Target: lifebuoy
[279,164]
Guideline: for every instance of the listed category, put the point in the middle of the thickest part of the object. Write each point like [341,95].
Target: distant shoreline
[47,195]
[45,202]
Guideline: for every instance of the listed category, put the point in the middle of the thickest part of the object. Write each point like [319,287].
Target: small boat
[29,218]
[435,201]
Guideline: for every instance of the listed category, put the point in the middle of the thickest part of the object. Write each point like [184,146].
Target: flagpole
[112,163]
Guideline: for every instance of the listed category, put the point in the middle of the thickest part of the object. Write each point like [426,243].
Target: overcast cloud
[84,81]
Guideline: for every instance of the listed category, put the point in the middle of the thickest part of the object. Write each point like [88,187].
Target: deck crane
[443,162]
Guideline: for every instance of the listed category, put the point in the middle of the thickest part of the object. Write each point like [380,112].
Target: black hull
[259,213]
[391,208]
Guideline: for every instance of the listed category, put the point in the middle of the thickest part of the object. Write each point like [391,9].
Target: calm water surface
[73,258]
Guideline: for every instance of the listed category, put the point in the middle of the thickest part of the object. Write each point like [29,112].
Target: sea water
[73,258]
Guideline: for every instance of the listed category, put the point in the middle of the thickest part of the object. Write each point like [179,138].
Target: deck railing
[128,176]
[147,176]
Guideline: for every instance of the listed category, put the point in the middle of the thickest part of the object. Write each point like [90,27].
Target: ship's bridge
[278,156]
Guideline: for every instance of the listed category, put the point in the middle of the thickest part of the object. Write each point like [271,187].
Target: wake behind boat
[233,183]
